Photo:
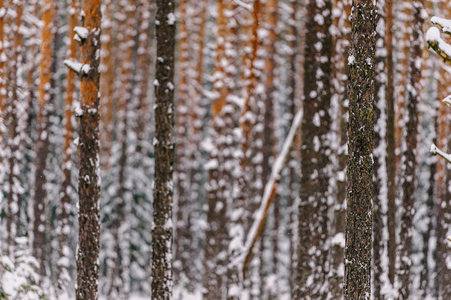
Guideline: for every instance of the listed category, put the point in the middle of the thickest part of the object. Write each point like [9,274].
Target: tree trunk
[120,274]
[107,80]
[408,181]
[183,227]
[238,220]
[221,162]
[315,152]
[340,62]
[164,152]
[391,143]
[41,146]
[89,160]
[357,283]
[380,268]
[13,185]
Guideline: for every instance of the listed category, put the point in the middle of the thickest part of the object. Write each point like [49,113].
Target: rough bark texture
[312,267]
[357,283]
[164,152]
[89,164]
[410,152]
[41,146]
[68,148]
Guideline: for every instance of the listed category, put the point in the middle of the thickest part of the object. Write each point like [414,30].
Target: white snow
[435,150]
[171,19]
[77,66]
[82,32]
[444,24]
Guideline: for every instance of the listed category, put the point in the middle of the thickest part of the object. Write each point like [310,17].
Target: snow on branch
[77,66]
[240,3]
[436,151]
[443,24]
[435,42]
[244,259]
[81,33]
[447,100]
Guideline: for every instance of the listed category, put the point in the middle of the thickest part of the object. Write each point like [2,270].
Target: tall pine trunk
[408,181]
[41,146]
[89,159]
[357,284]
[315,152]
[164,152]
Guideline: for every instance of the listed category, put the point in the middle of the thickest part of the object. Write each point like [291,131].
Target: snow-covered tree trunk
[183,211]
[67,193]
[269,127]
[315,152]
[404,19]
[41,145]
[408,181]
[88,147]
[380,266]
[238,220]
[164,152]
[340,61]
[221,163]
[120,274]
[15,112]
[294,162]
[197,111]
[357,284]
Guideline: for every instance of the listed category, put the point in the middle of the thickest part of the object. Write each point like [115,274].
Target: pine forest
[225,149]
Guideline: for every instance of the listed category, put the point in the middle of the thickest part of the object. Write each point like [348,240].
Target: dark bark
[164,152]
[89,164]
[315,152]
[391,144]
[357,283]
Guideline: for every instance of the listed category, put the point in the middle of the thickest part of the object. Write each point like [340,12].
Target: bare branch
[268,195]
